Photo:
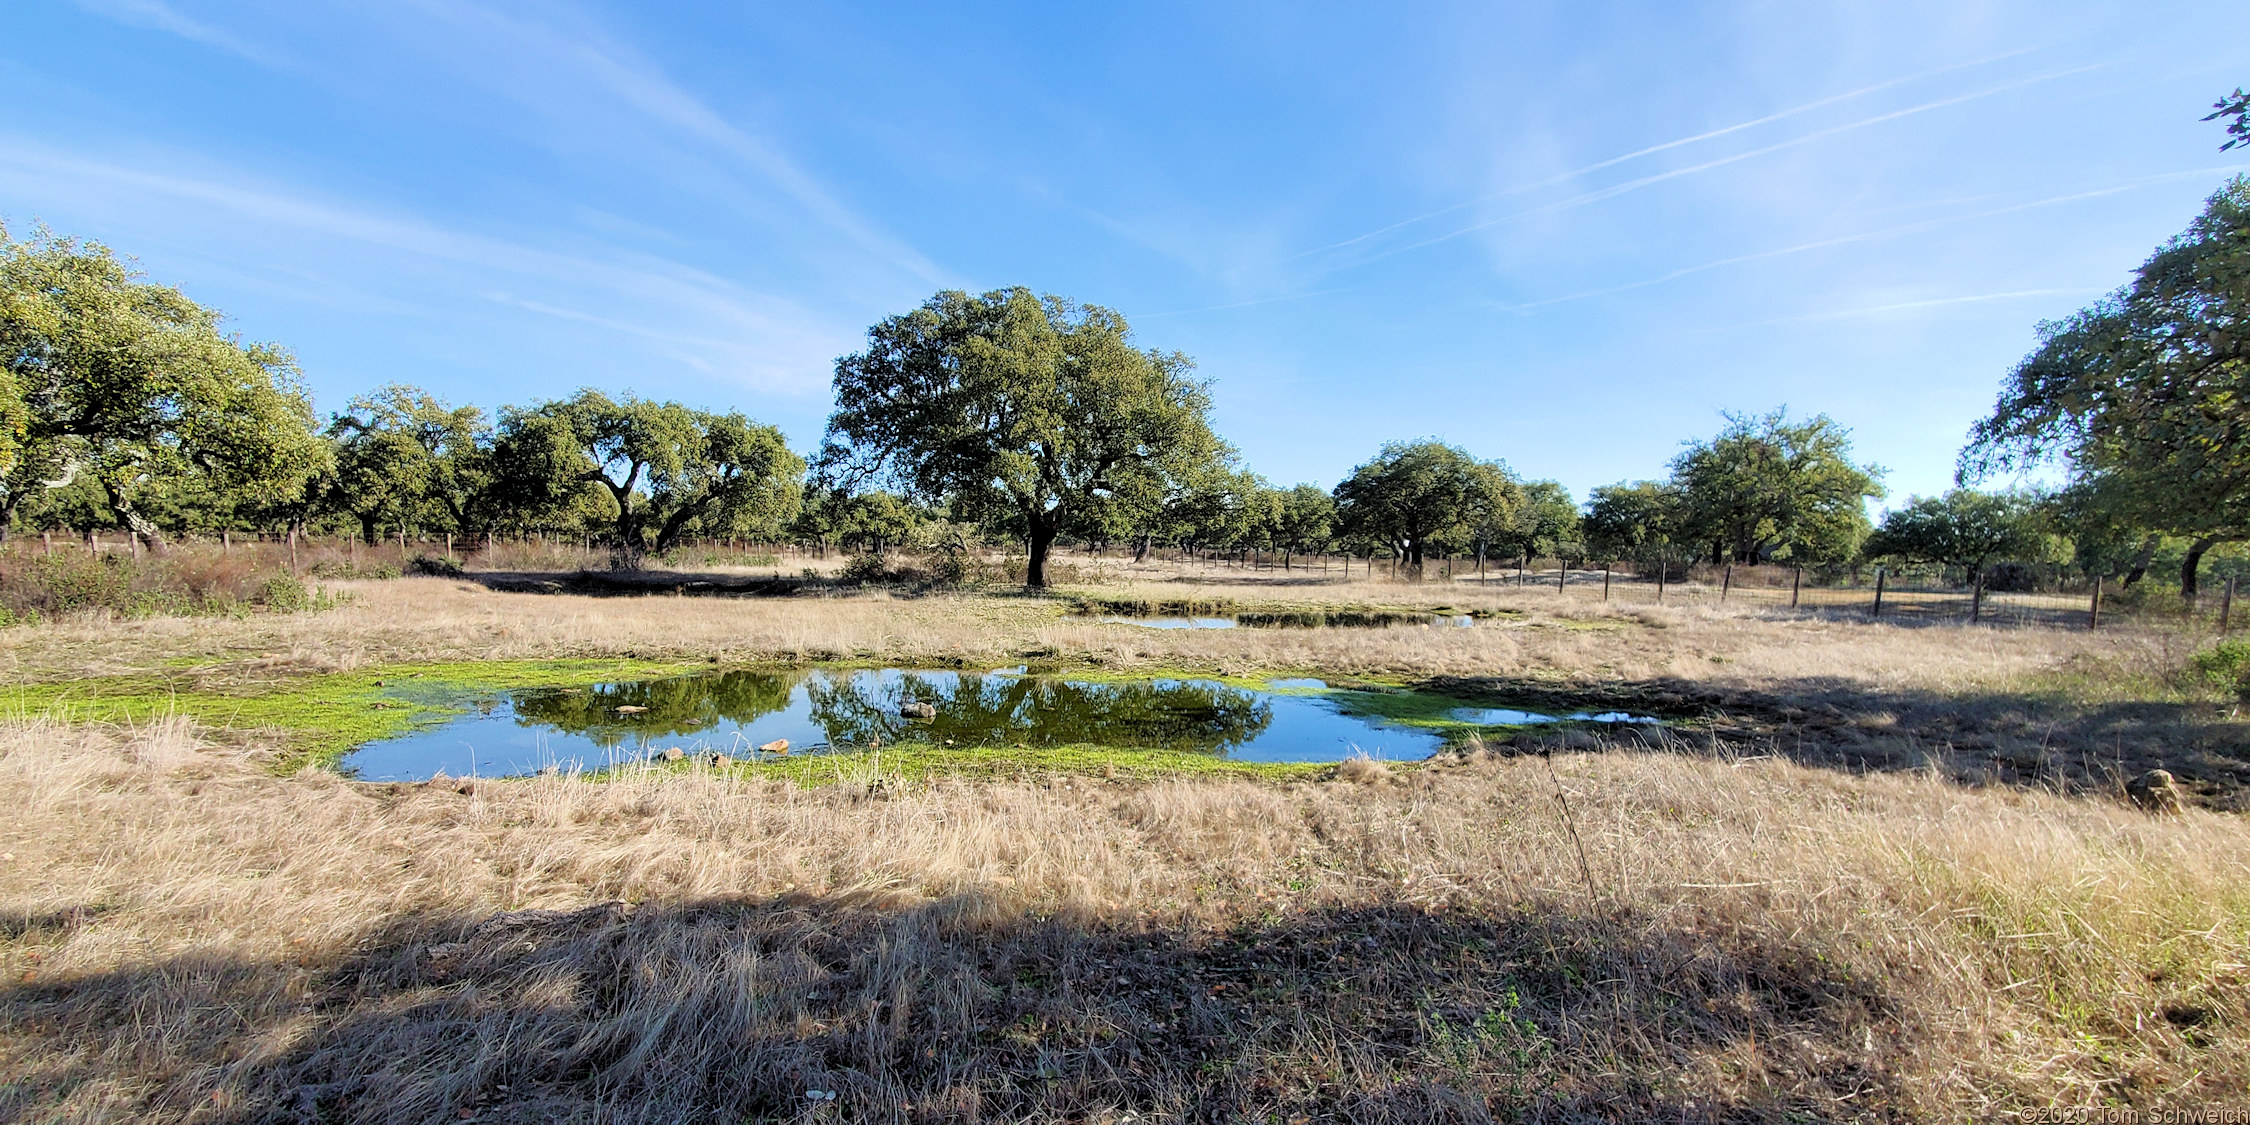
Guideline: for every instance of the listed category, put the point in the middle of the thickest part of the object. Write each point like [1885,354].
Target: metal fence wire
[1874,593]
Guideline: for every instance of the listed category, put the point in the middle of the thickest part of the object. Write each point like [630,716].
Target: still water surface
[520,732]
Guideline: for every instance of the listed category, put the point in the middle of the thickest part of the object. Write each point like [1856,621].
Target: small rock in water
[918,710]
[674,753]
[2156,791]
[630,709]
[777,746]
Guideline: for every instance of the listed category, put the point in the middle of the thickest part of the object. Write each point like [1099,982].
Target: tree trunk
[1040,541]
[2140,561]
[2192,563]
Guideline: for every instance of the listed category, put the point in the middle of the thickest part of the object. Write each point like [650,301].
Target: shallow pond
[1295,720]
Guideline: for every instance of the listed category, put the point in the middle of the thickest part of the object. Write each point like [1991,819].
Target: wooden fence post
[1976,600]
[2094,610]
[1605,581]
[1564,578]
[1796,583]
[1660,569]
[1726,582]
[1880,576]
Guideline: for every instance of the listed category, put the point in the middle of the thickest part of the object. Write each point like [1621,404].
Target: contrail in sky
[1635,185]
[1653,149]
[1906,228]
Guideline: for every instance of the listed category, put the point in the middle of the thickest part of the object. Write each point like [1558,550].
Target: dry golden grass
[2065,708]
[190,938]
[1544,636]
[1878,877]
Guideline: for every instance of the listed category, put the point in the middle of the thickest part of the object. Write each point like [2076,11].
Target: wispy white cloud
[564,43]
[156,15]
[704,321]
[1613,191]
[1666,146]
[1869,236]
[1906,306]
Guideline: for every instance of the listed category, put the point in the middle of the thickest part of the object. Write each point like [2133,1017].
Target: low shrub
[2225,665]
[183,582]
[863,569]
[434,565]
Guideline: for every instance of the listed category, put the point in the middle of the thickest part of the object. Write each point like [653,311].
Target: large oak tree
[130,384]
[2146,394]
[1019,409]
[1420,496]
[667,469]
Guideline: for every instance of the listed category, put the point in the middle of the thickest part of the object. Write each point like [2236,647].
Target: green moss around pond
[320,717]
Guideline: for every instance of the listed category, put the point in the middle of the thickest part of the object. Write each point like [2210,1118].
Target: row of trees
[123,404]
[1028,418]
[1005,415]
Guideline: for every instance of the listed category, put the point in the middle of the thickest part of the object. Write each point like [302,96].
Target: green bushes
[2225,665]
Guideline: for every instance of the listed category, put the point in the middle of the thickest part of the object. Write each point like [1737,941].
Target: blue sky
[1567,235]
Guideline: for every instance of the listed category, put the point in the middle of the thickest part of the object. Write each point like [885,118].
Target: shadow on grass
[742,1009]
[1978,738]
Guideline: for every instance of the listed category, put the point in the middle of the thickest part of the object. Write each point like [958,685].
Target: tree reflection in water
[680,706]
[1005,710]
[860,707]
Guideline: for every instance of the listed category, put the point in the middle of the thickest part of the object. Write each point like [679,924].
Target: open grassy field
[1874,872]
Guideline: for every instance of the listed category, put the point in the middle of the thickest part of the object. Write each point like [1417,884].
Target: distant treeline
[1010,417]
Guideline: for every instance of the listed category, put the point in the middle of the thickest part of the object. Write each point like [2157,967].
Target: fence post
[2094,610]
[226,542]
[1976,600]
[1880,575]
[1522,564]
[46,542]
[1726,582]
[1796,583]
[2226,605]
[1660,569]
[1605,581]
[1565,578]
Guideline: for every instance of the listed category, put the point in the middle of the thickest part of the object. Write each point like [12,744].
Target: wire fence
[1876,594]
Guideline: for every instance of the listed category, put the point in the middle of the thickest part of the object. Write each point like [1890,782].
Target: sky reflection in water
[519,732]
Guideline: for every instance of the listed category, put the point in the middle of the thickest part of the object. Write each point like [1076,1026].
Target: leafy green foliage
[668,470]
[2143,394]
[2225,665]
[1546,523]
[1965,528]
[1767,488]
[1425,496]
[1018,409]
[409,458]
[134,387]
[2236,106]
[1638,521]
